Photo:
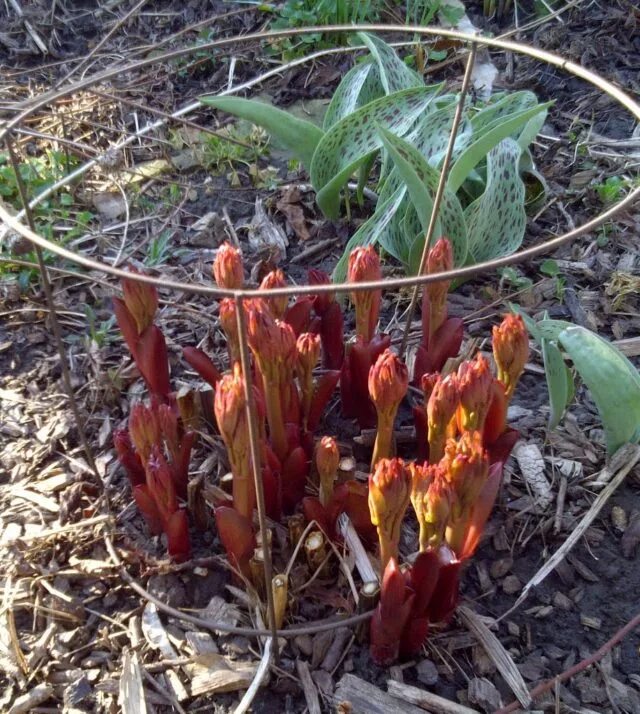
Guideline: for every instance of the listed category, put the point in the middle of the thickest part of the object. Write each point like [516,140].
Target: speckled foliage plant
[384,124]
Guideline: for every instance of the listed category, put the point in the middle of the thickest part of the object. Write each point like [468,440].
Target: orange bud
[364,266]
[431,500]
[145,431]
[327,462]
[388,384]
[275,279]
[389,493]
[474,387]
[439,260]
[230,409]
[229,324]
[428,382]
[466,467]
[441,409]
[227,267]
[510,350]
[273,344]
[388,381]
[141,300]
[308,352]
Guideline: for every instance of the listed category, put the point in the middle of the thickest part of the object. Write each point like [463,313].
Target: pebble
[427,672]
[511,584]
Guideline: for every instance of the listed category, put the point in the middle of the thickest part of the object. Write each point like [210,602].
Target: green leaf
[473,154]
[350,142]
[557,381]
[531,129]
[613,381]
[500,108]
[496,220]
[394,73]
[299,136]
[422,180]
[370,231]
[431,136]
[360,85]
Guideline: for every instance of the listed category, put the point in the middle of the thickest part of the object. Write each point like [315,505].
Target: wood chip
[356,696]
[131,695]
[425,700]
[308,687]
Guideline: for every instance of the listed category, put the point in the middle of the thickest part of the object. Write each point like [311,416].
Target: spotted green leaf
[299,136]
[350,142]
[500,108]
[613,381]
[422,180]
[496,221]
[394,73]
[370,231]
[478,150]
[360,85]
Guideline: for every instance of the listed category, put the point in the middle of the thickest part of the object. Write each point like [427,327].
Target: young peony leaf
[613,381]
[422,181]
[350,142]
[299,136]
[496,220]
[557,381]
[370,231]
[394,73]
[477,151]
[360,85]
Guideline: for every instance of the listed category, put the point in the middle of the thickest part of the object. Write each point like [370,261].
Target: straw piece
[497,654]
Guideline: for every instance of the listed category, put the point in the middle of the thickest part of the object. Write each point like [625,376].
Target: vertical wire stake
[442,182]
[255,464]
[53,315]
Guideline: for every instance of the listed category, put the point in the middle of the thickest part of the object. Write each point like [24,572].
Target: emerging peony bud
[161,484]
[439,260]
[364,266]
[474,388]
[441,410]
[389,492]
[231,415]
[308,353]
[327,462]
[428,382]
[145,431]
[466,467]
[431,500]
[141,300]
[273,344]
[227,267]
[322,301]
[388,384]
[229,324]
[510,350]
[129,459]
[278,305]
